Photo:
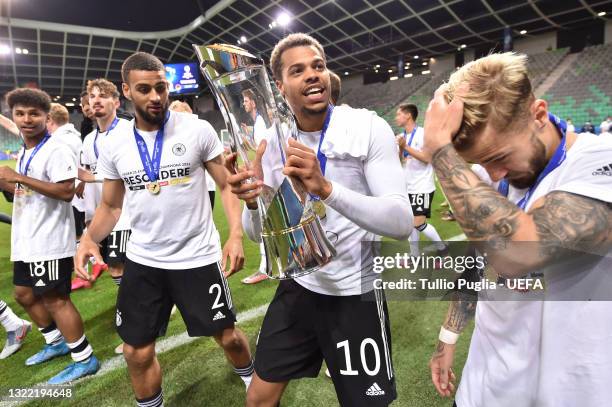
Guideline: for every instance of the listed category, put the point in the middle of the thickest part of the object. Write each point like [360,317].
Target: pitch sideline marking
[174,341]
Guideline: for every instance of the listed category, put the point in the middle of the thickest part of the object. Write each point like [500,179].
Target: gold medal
[154,187]
[319,208]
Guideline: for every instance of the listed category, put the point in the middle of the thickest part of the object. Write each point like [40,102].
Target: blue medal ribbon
[555,161]
[409,142]
[112,126]
[151,164]
[23,171]
[322,157]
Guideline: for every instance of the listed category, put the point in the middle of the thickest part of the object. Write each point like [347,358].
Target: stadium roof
[59,44]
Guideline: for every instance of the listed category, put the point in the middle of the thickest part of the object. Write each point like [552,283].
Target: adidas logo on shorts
[218,315]
[605,170]
[375,390]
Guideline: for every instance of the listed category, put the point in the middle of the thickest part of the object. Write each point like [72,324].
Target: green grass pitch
[197,374]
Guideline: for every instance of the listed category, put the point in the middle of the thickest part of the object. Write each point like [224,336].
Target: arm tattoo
[569,221]
[460,312]
[481,211]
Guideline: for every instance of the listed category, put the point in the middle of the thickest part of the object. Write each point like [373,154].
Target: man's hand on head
[442,119]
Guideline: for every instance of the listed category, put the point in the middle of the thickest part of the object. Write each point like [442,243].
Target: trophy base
[298,250]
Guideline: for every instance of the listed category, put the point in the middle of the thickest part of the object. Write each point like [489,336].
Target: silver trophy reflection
[294,239]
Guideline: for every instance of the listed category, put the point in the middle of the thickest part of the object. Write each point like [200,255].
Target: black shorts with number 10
[301,328]
[147,294]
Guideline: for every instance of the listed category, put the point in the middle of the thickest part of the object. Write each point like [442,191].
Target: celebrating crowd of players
[148,218]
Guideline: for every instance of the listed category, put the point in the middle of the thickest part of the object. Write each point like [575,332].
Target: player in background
[42,236]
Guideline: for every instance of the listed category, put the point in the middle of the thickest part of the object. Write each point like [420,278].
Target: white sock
[262,262]
[51,334]
[432,234]
[80,350]
[414,243]
[246,373]
[8,319]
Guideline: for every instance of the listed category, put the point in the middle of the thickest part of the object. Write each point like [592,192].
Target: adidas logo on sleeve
[218,315]
[605,170]
[375,390]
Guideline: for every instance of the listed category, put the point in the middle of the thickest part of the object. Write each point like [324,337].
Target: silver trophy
[294,240]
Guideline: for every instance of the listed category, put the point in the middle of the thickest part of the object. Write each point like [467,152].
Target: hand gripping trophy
[294,240]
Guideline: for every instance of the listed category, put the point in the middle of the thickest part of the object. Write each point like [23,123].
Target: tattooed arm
[557,223]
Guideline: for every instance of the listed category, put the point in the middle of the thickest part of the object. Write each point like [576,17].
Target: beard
[314,112]
[537,163]
[154,119]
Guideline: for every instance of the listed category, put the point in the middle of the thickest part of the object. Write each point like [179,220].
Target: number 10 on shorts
[366,344]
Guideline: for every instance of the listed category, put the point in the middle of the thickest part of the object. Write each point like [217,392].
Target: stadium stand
[583,90]
[9,144]
[383,97]
[542,64]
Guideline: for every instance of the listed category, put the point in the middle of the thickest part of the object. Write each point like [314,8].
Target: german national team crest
[178,149]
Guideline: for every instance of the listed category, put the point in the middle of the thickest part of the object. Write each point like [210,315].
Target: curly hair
[30,98]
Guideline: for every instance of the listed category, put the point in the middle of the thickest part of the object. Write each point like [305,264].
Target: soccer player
[419,175]
[259,133]
[87,124]
[174,255]
[358,177]
[104,101]
[557,198]
[59,127]
[42,235]
[16,330]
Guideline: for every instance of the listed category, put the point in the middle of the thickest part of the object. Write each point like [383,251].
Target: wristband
[448,337]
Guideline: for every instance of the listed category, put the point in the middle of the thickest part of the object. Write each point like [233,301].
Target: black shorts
[147,294]
[421,204]
[79,221]
[44,276]
[301,328]
[113,248]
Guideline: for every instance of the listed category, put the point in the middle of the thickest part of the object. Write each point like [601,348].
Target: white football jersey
[173,229]
[43,228]
[93,190]
[419,175]
[555,352]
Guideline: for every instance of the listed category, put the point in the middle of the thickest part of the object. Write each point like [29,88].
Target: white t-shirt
[419,175]
[173,229]
[93,190]
[550,353]
[43,228]
[259,129]
[368,198]
[72,138]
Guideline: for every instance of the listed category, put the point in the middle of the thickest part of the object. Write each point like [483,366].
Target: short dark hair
[291,41]
[336,87]
[140,61]
[248,93]
[410,108]
[29,97]
[84,93]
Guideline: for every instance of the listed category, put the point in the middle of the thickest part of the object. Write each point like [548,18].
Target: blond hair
[499,95]
[58,114]
[105,86]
